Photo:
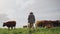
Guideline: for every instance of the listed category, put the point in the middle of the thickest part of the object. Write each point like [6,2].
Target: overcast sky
[19,10]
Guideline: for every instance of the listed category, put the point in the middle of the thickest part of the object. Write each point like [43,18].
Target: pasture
[55,30]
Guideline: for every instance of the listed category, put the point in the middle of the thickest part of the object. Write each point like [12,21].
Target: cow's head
[4,24]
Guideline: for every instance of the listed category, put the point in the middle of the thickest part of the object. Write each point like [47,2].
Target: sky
[19,10]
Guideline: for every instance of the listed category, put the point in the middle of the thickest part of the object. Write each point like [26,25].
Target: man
[31,20]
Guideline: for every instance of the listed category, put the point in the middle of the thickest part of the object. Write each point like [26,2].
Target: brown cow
[10,24]
[44,23]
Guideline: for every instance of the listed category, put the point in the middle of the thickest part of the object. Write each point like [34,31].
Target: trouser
[30,25]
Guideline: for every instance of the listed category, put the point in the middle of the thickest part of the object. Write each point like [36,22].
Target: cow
[44,23]
[25,26]
[56,23]
[10,24]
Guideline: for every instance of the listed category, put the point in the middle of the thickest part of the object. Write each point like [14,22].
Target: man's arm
[34,18]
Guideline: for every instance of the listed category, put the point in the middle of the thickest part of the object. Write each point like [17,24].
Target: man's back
[31,18]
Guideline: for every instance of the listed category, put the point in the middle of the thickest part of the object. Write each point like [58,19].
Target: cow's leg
[36,26]
[8,28]
[11,27]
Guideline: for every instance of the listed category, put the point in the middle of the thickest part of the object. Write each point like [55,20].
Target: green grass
[55,30]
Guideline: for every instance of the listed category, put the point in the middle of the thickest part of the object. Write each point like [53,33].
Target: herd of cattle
[43,23]
[48,23]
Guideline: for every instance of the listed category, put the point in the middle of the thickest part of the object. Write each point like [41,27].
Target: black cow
[10,24]
[25,26]
[56,23]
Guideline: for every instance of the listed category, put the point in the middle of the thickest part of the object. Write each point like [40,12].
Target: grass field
[55,30]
